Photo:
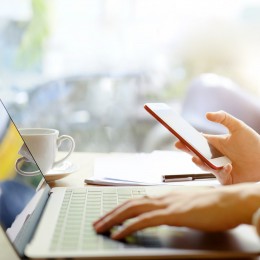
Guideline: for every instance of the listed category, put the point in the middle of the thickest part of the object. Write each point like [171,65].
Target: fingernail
[95,223]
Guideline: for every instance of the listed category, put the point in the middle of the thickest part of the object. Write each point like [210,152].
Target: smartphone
[187,134]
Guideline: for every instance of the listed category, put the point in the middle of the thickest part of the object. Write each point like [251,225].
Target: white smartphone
[187,134]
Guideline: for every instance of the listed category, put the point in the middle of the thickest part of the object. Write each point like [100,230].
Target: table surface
[85,161]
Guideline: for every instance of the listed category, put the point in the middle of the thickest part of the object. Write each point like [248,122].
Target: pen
[187,177]
[178,179]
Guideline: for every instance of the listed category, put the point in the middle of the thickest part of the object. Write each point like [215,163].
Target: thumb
[216,141]
[227,120]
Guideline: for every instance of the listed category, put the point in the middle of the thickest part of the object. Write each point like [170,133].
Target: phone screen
[182,129]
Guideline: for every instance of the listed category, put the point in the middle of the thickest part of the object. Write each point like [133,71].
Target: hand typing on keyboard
[216,209]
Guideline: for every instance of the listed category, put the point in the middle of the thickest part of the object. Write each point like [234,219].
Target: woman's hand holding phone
[241,145]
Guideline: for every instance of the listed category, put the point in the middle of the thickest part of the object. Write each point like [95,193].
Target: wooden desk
[85,161]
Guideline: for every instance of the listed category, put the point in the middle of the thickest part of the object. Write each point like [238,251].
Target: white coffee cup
[43,144]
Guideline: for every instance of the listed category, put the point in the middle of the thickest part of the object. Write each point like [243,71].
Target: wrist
[250,198]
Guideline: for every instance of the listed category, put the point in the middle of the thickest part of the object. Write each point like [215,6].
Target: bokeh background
[86,67]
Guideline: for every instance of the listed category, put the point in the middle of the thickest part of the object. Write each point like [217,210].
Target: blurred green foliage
[31,48]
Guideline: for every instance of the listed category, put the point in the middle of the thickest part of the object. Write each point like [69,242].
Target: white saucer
[60,171]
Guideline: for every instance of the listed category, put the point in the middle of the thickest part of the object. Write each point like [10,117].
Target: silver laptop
[41,222]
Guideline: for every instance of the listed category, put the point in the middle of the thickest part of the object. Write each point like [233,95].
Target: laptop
[41,222]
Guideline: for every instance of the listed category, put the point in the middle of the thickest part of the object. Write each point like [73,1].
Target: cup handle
[23,159]
[72,147]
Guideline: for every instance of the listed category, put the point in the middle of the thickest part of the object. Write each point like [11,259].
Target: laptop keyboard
[80,208]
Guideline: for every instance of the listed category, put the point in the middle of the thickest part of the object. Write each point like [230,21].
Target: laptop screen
[19,194]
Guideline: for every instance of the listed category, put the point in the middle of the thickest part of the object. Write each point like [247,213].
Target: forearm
[252,202]
[249,200]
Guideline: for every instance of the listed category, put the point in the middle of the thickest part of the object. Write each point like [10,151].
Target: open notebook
[147,169]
